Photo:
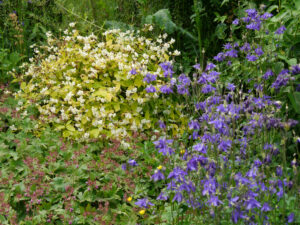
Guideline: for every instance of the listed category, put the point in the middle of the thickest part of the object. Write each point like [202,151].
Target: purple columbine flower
[178,197]
[268,74]
[149,78]
[265,207]
[232,53]
[185,80]
[266,15]
[192,165]
[280,30]
[254,26]
[246,47]
[124,166]
[162,146]
[228,46]
[162,125]
[214,200]
[252,203]
[158,175]
[143,203]
[235,22]
[207,89]
[251,58]
[132,162]
[291,218]
[296,69]
[166,89]
[177,174]
[194,125]
[150,89]
[167,68]
[162,196]
[259,51]
[182,89]
[197,66]
[200,148]
[133,71]
[279,171]
[252,13]
[210,66]
[230,87]
[220,57]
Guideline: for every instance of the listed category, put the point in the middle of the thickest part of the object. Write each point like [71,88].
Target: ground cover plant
[107,129]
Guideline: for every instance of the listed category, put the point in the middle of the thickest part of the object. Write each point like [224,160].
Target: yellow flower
[159,167]
[129,199]
[142,212]
[182,151]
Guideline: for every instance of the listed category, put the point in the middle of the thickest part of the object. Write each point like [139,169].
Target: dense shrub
[86,87]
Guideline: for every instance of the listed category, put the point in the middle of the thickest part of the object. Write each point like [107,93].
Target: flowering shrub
[87,87]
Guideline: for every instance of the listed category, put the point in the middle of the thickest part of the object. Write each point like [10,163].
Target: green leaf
[164,20]
[220,31]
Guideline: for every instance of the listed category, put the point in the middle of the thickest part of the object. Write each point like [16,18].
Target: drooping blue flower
[177,174]
[219,57]
[251,58]
[232,53]
[162,146]
[194,125]
[178,197]
[149,78]
[268,74]
[167,68]
[279,171]
[197,66]
[291,217]
[207,88]
[265,207]
[143,203]
[296,69]
[133,71]
[162,125]
[266,15]
[132,162]
[158,175]
[166,89]
[200,148]
[192,164]
[182,89]
[225,145]
[210,66]
[214,200]
[209,186]
[259,51]
[235,22]
[123,166]
[228,46]
[252,203]
[230,87]
[252,13]
[246,47]
[150,89]
[254,26]
[185,80]
[280,30]
[162,196]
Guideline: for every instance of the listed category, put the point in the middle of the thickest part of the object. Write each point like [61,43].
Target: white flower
[13,127]
[72,24]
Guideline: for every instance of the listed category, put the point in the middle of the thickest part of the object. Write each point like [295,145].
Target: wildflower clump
[88,87]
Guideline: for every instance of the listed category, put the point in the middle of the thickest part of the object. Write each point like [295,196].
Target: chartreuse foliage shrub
[86,87]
